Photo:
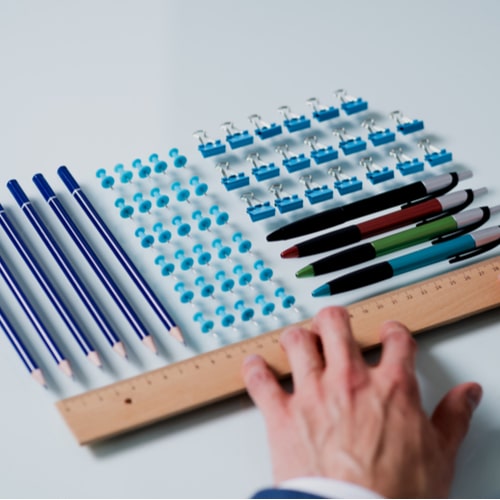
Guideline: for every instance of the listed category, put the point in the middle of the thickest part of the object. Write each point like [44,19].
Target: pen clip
[471,227]
[468,200]
[454,182]
[473,253]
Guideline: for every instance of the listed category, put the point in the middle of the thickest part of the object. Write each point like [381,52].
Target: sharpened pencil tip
[305,272]
[290,253]
[94,358]
[150,344]
[38,376]
[66,368]
[177,334]
[321,291]
[119,348]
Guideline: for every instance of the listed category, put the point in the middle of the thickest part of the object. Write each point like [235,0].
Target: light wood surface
[204,379]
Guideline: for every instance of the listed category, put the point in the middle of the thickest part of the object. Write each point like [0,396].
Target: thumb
[453,414]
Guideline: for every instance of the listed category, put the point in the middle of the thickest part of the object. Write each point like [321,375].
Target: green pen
[451,225]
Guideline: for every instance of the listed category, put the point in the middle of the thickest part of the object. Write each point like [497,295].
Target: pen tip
[274,236]
[290,253]
[305,272]
[322,291]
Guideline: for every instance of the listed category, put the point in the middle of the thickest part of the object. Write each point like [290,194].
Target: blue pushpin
[107,181]
[267,308]
[164,235]
[224,252]
[186,295]
[235,137]
[292,161]
[246,313]
[182,193]
[126,176]
[350,104]
[263,129]
[314,192]
[206,325]
[185,263]
[260,170]
[343,183]
[147,240]
[167,268]
[206,289]
[208,147]
[376,174]
[200,188]
[227,319]
[159,166]
[287,301]
[244,278]
[348,143]
[244,246]
[180,161]
[204,257]
[144,171]
[232,181]
[143,204]
[126,211]
[259,211]
[292,121]
[204,223]
[162,200]
[319,152]
[265,273]
[404,124]
[287,203]
[378,135]
[405,164]
[221,218]
[183,228]
[227,284]
[434,156]
[322,113]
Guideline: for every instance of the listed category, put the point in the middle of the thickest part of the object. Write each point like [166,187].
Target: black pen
[433,186]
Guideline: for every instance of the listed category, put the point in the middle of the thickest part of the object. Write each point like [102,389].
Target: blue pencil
[66,266]
[48,288]
[94,261]
[34,318]
[77,193]
[21,349]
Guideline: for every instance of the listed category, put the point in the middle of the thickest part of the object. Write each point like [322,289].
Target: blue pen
[94,261]
[77,193]
[47,286]
[21,349]
[34,319]
[66,266]
[457,249]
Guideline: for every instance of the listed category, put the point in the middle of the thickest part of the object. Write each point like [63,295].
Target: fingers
[263,387]
[341,352]
[398,347]
[453,414]
[303,354]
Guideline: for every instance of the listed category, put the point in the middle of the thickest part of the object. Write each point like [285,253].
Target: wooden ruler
[210,377]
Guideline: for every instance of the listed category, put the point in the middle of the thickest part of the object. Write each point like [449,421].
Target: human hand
[348,421]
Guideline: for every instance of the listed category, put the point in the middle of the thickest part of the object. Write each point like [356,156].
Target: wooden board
[210,377]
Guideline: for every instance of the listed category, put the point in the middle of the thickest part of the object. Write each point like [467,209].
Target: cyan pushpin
[287,301]
[143,204]
[221,218]
[107,181]
[204,223]
[144,171]
[167,268]
[185,263]
[204,258]
[186,295]
[206,325]
[265,273]
[162,200]
[227,319]
[147,240]
[183,228]
[179,160]
[244,246]
[159,166]
[182,193]
[246,313]
[126,176]
[227,284]
[244,278]
[206,289]
[267,308]
[223,251]
[126,211]
[164,235]
[200,188]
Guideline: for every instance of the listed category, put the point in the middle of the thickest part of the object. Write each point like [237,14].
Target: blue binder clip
[344,184]
[405,125]
[348,143]
[376,174]
[434,156]
[322,113]
[378,135]
[260,170]
[288,203]
[292,161]
[405,164]
[208,147]
[314,192]
[293,122]
[263,129]
[319,152]
[232,181]
[259,211]
[350,104]
[235,137]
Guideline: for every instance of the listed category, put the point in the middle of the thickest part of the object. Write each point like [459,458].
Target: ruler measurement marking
[211,376]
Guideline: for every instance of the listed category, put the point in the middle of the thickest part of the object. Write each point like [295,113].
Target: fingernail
[250,359]
[474,395]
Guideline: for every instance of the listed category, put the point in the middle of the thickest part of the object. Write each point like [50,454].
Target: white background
[89,84]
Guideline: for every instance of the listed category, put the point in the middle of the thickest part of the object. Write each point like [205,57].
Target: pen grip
[363,277]
[330,241]
[344,258]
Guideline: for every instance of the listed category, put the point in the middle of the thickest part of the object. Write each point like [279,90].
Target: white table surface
[90,84]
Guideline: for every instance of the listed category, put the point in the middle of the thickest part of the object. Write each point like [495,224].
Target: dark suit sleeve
[282,493]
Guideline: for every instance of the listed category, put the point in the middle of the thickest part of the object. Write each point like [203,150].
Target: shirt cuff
[328,488]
